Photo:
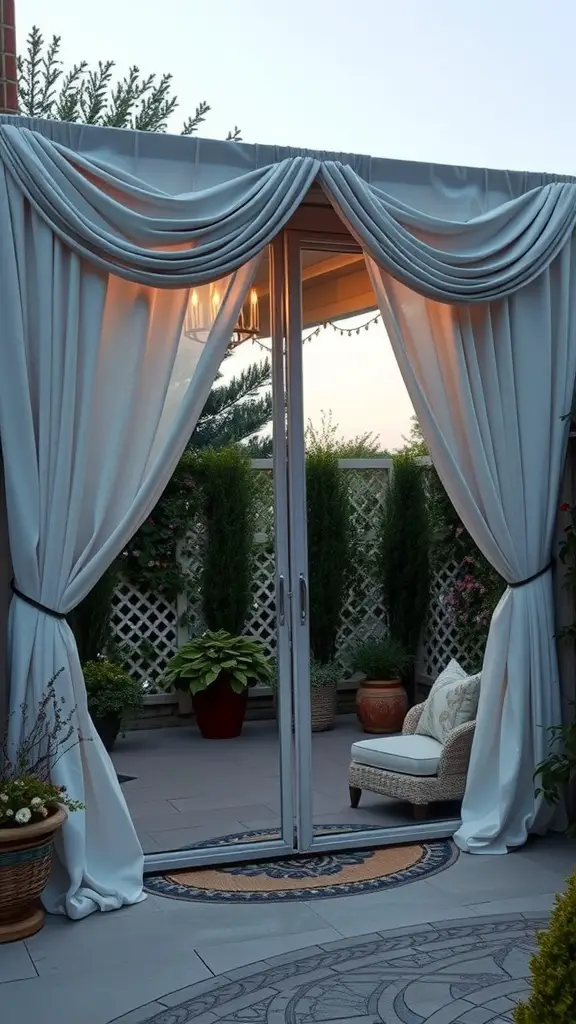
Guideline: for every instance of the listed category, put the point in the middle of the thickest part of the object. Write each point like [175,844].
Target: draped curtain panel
[99,393]
[481,315]
[490,385]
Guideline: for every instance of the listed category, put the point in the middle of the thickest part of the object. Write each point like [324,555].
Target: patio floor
[184,789]
[452,949]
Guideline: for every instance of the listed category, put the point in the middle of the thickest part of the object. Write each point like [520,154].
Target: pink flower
[564,507]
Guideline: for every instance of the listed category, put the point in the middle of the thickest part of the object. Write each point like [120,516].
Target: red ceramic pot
[219,710]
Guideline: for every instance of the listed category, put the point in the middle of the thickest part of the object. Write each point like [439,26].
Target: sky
[491,83]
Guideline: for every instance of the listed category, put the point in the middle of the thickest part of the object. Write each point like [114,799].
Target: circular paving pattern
[464,972]
[308,876]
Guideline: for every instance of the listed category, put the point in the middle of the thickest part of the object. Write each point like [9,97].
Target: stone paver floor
[451,949]
[464,972]
[182,789]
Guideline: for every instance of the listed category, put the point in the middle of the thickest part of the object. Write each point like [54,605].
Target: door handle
[281,602]
[303,598]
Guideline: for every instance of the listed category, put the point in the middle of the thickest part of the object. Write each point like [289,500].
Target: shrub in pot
[323,694]
[218,669]
[553,968]
[112,691]
[558,771]
[381,701]
[32,811]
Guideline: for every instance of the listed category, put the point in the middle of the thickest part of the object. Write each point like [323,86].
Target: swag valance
[127,227]
[102,234]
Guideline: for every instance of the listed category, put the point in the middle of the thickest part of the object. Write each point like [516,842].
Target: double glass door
[295,795]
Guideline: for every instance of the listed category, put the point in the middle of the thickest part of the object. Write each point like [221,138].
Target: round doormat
[306,876]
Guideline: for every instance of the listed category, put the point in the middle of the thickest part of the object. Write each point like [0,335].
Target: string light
[342,331]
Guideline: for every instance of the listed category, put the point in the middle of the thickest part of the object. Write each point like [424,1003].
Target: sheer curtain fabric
[490,385]
[99,393]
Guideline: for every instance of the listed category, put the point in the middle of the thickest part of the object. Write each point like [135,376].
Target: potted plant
[323,695]
[558,770]
[32,810]
[218,669]
[112,691]
[381,701]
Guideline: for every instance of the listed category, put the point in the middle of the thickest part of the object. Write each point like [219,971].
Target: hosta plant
[207,658]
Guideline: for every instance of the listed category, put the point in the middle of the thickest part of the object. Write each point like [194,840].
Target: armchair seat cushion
[407,755]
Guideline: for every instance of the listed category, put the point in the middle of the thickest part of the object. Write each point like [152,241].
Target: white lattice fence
[440,641]
[363,614]
[153,628]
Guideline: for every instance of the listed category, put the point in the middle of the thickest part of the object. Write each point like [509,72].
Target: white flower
[36,803]
[44,812]
[4,798]
[23,815]
[9,812]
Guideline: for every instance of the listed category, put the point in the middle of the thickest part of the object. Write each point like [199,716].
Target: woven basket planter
[322,708]
[25,863]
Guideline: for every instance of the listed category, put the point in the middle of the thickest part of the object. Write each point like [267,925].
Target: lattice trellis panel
[363,614]
[153,628]
[148,627]
[440,642]
[262,622]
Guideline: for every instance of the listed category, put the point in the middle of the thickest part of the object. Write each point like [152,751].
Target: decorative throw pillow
[453,673]
[452,705]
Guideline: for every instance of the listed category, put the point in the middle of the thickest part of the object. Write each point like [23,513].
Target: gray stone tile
[183,995]
[140,1015]
[82,992]
[474,878]
[228,956]
[122,939]
[177,838]
[384,917]
[15,963]
[351,942]
[541,903]
[267,794]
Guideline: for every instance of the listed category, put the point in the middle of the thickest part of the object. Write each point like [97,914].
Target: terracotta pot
[219,711]
[381,705]
[108,727]
[25,863]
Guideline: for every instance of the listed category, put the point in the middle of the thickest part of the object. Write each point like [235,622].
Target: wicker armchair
[439,775]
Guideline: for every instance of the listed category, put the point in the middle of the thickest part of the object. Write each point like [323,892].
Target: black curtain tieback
[530,579]
[36,604]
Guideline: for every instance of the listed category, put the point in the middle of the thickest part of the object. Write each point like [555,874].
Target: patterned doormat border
[304,876]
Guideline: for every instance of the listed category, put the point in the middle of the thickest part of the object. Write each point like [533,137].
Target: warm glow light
[196,322]
[254,311]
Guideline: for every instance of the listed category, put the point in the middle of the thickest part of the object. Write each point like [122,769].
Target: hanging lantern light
[200,316]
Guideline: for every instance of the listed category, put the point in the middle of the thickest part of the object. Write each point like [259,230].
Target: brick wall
[8,74]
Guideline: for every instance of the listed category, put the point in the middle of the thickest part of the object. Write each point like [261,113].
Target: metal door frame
[294,243]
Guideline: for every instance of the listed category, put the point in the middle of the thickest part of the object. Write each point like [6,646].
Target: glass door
[327,283]
[198,801]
